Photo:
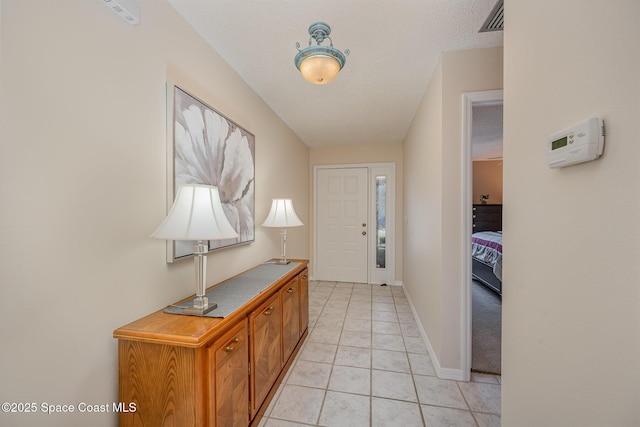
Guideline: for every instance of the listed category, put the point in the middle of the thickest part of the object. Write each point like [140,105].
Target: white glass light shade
[196,214]
[319,69]
[282,215]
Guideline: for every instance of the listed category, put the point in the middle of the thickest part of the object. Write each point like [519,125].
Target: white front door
[342,217]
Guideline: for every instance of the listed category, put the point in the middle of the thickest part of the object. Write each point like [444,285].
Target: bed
[486,253]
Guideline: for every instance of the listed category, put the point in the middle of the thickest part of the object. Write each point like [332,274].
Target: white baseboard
[444,373]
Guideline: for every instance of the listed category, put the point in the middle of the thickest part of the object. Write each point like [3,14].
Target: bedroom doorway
[487,316]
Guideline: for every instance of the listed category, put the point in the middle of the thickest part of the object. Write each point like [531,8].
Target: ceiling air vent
[495,20]
[129,10]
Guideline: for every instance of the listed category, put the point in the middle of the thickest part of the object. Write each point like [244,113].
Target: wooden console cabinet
[184,370]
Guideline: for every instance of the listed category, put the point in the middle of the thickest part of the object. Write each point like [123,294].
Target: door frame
[469,100]
[372,168]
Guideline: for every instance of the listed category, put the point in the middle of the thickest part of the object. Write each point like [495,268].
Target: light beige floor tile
[403,308]
[421,364]
[360,305]
[272,422]
[325,285]
[318,352]
[325,335]
[350,380]
[345,410]
[361,297]
[298,404]
[387,360]
[482,397]
[386,299]
[488,420]
[394,413]
[346,289]
[358,357]
[359,313]
[388,328]
[439,392]
[410,330]
[356,339]
[384,316]
[392,385]
[357,325]
[344,285]
[329,322]
[388,342]
[332,311]
[446,417]
[406,318]
[415,345]
[310,374]
[381,306]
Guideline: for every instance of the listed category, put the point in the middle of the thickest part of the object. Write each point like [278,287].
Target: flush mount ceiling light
[320,64]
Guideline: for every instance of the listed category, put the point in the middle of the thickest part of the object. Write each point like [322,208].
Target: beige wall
[83,168]
[422,262]
[433,199]
[487,179]
[571,300]
[363,154]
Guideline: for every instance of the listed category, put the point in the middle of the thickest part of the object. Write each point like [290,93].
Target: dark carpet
[486,331]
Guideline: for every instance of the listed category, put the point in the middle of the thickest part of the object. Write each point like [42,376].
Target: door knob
[364,233]
[364,225]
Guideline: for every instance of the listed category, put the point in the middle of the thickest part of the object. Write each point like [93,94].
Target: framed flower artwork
[205,147]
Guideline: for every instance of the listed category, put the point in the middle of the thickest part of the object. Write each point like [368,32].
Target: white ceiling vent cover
[495,20]
[129,10]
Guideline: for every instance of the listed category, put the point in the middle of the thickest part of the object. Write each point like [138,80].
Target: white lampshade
[319,69]
[282,215]
[196,214]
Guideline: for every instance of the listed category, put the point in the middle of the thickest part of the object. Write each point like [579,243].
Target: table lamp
[197,214]
[282,215]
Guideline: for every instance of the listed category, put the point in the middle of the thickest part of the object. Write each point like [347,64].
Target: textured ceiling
[486,134]
[395,46]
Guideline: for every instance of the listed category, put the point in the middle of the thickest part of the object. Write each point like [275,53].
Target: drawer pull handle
[291,290]
[305,277]
[232,347]
[268,311]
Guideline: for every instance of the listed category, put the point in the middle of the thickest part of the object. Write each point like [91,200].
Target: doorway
[354,216]
[470,100]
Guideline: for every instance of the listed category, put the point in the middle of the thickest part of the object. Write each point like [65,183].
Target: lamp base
[282,262]
[195,311]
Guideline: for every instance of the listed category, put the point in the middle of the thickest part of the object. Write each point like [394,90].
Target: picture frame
[206,147]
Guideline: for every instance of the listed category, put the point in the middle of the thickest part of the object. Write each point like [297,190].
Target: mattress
[486,246]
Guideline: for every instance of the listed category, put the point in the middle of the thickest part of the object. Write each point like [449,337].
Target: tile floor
[365,363]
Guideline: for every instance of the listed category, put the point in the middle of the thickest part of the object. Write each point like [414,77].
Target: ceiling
[394,48]
[486,132]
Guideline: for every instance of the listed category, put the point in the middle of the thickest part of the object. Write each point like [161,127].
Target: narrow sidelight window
[381,221]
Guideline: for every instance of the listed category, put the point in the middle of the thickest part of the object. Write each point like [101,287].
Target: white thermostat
[582,143]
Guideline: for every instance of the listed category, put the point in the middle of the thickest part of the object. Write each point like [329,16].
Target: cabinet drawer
[229,363]
[304,301]
[290,295]
[266,349]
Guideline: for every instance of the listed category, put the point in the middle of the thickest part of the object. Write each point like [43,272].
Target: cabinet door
[304,300]
[266,349]
[290,317]
[229,357]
